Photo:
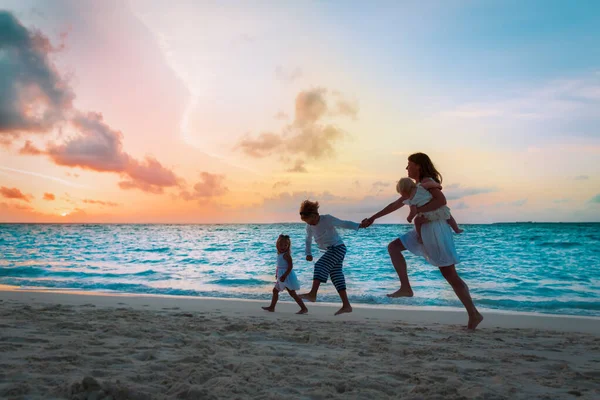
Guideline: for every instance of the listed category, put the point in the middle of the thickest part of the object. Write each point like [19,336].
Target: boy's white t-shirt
[325,233]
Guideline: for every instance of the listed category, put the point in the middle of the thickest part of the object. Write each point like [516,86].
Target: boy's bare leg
[454,225]
[303,309]
[271,308]
[346,307]
[312,295]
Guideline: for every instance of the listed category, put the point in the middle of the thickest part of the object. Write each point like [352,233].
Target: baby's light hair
[309,207]
[284,239]
[405,185]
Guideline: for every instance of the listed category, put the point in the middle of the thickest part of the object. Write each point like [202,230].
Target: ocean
[532,267]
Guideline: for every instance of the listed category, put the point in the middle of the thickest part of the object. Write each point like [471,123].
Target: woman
[438,242]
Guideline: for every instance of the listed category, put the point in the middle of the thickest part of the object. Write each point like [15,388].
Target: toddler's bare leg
[454,225]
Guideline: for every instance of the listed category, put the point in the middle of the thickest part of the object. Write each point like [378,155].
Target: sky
[144,111]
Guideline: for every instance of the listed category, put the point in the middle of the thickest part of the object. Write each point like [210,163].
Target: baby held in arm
[417,195]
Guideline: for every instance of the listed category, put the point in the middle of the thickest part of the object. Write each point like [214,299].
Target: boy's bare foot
[474,321]
[309,296]
[401,293]
[269,309]
[459,230]
[343,310]
[303,311]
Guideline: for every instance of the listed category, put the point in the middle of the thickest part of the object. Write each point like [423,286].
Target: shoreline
[361,312]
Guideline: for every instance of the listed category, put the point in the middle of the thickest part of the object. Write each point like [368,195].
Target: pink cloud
[38,99]
[49,196]
[100,148]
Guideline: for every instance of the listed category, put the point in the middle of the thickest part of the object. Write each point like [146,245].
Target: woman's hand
[366,222]
[283,278]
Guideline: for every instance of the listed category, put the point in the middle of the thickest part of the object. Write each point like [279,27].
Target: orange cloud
[211,185]
[14,193]
[49,196]
[306,134]
[100,202]
[263,146]
[30,149]
[298,167]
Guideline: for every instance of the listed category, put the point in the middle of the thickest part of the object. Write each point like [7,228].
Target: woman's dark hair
[427,168]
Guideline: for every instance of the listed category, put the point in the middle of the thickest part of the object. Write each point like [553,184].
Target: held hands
[366,222]
[309,258]
[283,277]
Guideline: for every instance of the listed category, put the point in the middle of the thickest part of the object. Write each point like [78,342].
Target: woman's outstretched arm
[388,209]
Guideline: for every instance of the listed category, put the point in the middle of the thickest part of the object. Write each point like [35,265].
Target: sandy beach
[90,346]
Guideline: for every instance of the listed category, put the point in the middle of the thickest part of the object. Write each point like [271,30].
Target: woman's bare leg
[395,249]
[462,291]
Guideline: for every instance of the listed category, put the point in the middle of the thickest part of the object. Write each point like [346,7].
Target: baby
[418,195]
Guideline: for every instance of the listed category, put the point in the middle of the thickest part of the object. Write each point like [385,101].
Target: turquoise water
[548,268]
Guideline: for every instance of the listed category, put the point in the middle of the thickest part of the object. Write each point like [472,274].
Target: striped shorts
[330,264]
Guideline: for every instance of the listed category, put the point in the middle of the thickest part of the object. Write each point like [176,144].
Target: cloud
[36,99]
[52,178]
[516,203]
[263,146]
[299,166]
[460,206]
[582,178]
[287,202]
[519,203]
[558,99]
[99,148]
[20,207]
[14,193]
[595,199]
[285,75]
[380,184]
[455,191]
[281,115]
[49,196]
[100,202]
[281,184]
[561,201]
[34,96]
[210,185]
[30,149]
[307,135]
[347,108]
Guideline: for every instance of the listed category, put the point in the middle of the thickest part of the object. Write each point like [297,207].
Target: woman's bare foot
[459,230]
[401,293]
[343,310]
[309,296]
[303,311]
[474,321]
[269,309]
